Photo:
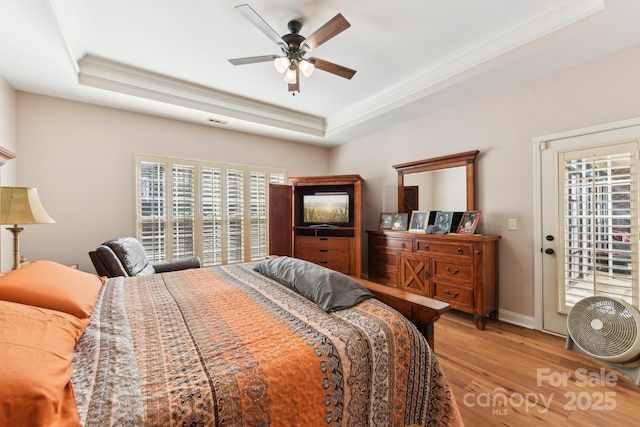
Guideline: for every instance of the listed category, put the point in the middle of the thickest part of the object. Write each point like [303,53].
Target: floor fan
[608,329]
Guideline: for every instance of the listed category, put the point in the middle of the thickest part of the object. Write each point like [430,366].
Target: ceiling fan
[294,48]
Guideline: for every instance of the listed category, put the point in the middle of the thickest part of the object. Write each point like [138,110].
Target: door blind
[599,210]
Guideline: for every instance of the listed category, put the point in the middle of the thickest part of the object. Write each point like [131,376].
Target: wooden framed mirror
[440,183]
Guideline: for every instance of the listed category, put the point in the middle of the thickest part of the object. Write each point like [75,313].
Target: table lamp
[21,205]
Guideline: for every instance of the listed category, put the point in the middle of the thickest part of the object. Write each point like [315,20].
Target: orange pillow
[35,365]
[51,285]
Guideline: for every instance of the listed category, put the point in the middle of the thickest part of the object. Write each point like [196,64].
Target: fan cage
[606,328]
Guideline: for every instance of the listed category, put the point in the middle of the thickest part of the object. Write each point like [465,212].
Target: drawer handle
[426,247]
[324,238]
[404,245]
[323,262]
[387,259]
[460,251]
[451,272]
[455,294]
[324,250]
[426,274]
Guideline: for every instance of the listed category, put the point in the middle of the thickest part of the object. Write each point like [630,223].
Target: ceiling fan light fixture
[281,64]
[306,67]
[290,75]
[294,47]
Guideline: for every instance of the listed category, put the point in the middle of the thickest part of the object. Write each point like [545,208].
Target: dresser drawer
[329,243]
[397,243]
[452,271]
[385,275]
[387,258]
[323,248]
[457,295]
[431,247]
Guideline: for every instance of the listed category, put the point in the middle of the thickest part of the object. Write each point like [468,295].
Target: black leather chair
[125,257]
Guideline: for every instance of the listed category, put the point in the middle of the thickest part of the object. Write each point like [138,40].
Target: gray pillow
[329,289]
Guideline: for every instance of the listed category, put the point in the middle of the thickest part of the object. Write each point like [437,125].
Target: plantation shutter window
[215,211]
[151,185]
[258,215]
[183,211]
[211,208]
[235,215]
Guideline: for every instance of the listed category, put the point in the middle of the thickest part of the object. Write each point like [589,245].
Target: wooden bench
[420,310]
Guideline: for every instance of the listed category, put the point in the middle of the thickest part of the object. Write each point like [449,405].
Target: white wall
[502,126]
[80,157]
[8,171]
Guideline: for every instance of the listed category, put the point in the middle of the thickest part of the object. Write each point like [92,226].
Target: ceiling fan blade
[262,25]
[332,28]
[295,87]
[332,68]
[253,59]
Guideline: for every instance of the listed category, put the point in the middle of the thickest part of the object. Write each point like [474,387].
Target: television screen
[326,208]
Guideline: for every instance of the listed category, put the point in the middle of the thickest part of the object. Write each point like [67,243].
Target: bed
[242,345]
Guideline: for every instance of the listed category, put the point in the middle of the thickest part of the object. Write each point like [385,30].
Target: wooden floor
[512,376]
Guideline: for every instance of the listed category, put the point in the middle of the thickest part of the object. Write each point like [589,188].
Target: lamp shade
[306,67]
[290,75]
[21,205]
[281,64]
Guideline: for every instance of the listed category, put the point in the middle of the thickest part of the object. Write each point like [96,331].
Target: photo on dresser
[443,221]
[455,220]
[386,219]
[419,221]
[469,222]
[400,221]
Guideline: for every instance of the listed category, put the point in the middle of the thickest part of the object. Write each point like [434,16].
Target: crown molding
[70,43]
[450,69]
[110,75]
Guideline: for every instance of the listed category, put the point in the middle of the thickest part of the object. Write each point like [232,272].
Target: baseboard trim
[517,319]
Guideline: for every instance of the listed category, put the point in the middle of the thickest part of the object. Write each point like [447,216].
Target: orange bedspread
[227,346]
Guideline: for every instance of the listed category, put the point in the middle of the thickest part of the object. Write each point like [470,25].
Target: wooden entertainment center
[336,246]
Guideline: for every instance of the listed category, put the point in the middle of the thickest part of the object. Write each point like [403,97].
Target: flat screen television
[326,209]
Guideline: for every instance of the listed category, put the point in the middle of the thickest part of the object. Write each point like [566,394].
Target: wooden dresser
[458,269]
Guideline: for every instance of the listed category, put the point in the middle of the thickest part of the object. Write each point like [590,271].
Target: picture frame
[443,221]
[386,220]
[419,221]
[400,221]
[469,222]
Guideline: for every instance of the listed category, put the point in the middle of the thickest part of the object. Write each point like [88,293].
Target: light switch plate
[512,224]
